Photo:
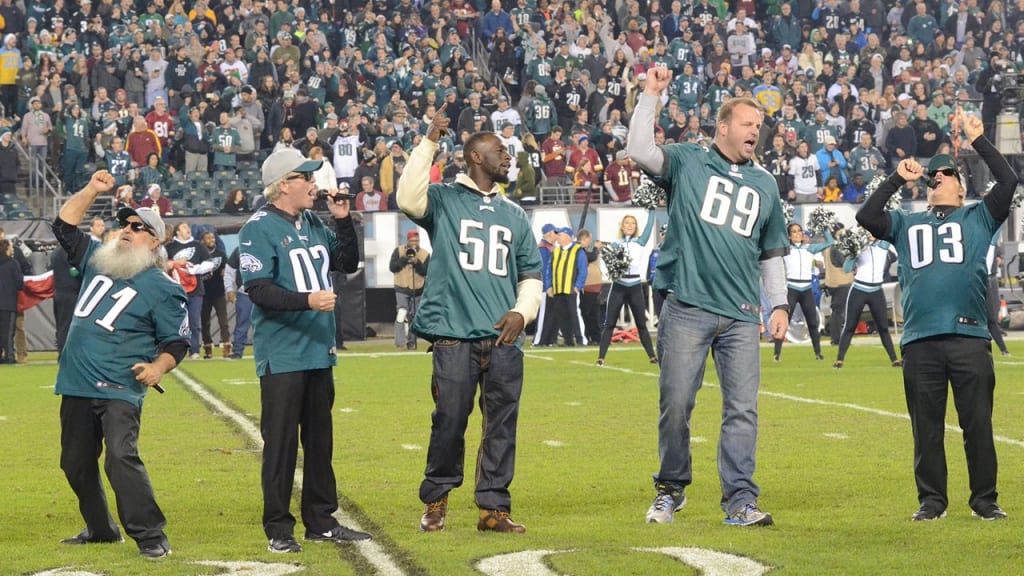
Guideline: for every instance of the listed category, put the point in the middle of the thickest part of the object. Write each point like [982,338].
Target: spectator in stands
[369,199]
[865,159]
[235,202]
[776,161]
[901,140]
[10,64]
[929,135]
[855,190]
[618,182]
[391,166]
[156,70]
[154,172]
[35,133]
[214,299]
[806,175]
[493,20]
[9,162]
[832,162]
[225,142]
[142,142]
[312,139]
[154,198]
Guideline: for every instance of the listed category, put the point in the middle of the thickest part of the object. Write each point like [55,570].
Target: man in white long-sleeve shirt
[726,231]
[484,287]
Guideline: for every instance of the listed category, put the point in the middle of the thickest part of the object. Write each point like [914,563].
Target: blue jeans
[195,309]
[243,318]
[685,334]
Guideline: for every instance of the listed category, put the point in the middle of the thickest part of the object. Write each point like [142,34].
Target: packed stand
[182,100]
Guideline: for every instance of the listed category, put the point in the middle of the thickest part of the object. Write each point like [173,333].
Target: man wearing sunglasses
[129,328]
[286,256]
[943,277]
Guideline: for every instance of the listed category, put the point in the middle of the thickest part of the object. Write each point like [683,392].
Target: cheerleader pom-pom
[853,242]
[649,196]
[820,219]
[616,259]
[787,211]
[894,201]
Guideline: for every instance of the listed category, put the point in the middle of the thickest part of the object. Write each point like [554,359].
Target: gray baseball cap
[280,163]
[149,216]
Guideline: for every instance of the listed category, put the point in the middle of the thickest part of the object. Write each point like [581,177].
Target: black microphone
[930,181]
[338,198]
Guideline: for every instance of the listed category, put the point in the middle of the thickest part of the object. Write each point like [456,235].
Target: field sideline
[834,465]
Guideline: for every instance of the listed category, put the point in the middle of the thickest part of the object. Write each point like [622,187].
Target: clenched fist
[101,182]
[658,79]
[910,169]
[322,301]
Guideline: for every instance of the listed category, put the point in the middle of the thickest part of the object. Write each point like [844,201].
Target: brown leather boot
[226,349]
[434,516]
[497,521]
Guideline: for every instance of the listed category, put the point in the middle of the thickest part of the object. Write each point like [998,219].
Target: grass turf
[834,464]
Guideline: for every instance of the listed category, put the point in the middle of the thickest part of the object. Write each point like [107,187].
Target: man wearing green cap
[943,277]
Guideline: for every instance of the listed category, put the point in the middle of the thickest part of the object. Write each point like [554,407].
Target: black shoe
[84,537]
[338,534]
[838,364]
[990,512]
[897,363]
[926,513]
[776,358]
[154,551]
[286,545]
[819,357]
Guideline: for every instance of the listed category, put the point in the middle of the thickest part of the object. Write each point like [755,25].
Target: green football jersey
[116,324]
[723,219]
[482,247]
[295,256]
[942,271]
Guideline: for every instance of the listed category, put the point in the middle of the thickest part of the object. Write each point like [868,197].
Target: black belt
[630,276]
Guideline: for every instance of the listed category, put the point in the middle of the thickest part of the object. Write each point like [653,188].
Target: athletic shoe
[749,515]
[819,357]
[154,551]
[337,534]
[776,358]
[1005,353]
[286,545]
[665,505]
[990,512]
[600,361]
[897,363]
[84,537]
[235,357]
[838,364]
[926,513]
[194,356]
[498,521]
[434,516]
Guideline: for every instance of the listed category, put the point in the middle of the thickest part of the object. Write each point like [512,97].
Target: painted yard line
[371,550]
[815,401]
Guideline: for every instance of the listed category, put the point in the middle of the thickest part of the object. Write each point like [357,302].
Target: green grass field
[834,465]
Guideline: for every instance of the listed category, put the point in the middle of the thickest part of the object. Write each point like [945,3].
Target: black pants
[838,317]
[7,335]
[966,364]
[805,298]
[632,296]
[297,407]
[63,312]
[856,299]
[547,325]
[460,367]
[85,423]
[590,309]
[219,305]
[992,302]
[9,99]
[567,318]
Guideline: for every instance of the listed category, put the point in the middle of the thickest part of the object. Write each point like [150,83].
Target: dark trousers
[567,318]
[243,318]
[805,298]
[632,296]
[63,312]
[992,302]
[85,423]
[195,309]
[590,309]
[74,165]
[7,335]
[548,324]
[856,299]
[966,364]
[838,317]
[220,306]
[9,99]
[296,406]
[460,367]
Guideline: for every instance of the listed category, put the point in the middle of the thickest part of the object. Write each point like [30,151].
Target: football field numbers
[708,562]
[94,294]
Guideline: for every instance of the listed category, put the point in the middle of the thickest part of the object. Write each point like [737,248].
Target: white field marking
[3,418]
[848,405]
[65,572]
[554,443]
[614,368]
[537,357]
[347,410]
[711,563]
[412,447]
[528,563]
[252,568]
[239,381]
[574,403]
[371,550]
[698,440]
[836,435]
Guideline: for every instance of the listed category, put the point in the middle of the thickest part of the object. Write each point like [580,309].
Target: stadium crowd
[165,92]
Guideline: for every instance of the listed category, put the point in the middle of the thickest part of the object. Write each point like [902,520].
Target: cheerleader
[800,263]
[871,264]
[627,290]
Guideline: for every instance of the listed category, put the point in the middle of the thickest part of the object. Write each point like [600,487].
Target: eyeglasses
[140,227]
[307,176]
[944,172]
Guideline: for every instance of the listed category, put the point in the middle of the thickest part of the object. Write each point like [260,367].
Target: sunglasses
[307,176]
[944,172]
[140,227]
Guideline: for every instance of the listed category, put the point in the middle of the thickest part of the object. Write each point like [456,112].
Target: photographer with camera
[409,265]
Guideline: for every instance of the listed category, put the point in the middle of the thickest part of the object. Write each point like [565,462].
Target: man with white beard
[129,329]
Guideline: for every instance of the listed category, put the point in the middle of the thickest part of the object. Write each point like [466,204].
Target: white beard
[122,261]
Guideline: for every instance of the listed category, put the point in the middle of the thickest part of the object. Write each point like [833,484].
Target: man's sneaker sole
[155,552]
[919,517]
[765,520]
[339,534]
[652,518]
[992,516]
[284,546]
[750,515]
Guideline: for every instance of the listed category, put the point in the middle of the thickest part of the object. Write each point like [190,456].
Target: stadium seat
[20,214]
[230,184]
[225,174]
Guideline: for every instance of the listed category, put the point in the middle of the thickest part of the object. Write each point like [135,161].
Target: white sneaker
[664,507]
